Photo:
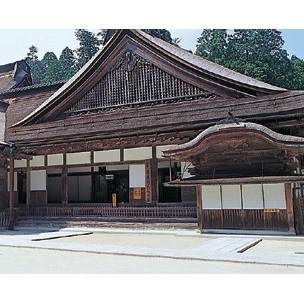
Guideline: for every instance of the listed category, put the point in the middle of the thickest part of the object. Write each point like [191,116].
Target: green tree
[89,45]
[257,53]
[67,64]
[51,68]
[296,73]
[35,65]
[213,45]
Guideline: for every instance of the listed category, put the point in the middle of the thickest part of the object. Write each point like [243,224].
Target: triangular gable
[133,80]
[136,69]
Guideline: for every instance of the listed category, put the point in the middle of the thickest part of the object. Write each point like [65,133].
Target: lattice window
[133,80]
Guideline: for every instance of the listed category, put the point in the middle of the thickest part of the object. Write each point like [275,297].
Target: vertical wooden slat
[289,207]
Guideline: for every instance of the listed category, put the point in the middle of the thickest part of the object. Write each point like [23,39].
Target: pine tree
[67,64]
[35,65]
[257,53]
[89,45]
[51,67]
[213,45]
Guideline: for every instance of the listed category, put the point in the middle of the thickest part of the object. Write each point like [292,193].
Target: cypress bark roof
[215,77]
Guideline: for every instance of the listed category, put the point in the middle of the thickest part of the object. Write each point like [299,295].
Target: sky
[51,27]
[15,43]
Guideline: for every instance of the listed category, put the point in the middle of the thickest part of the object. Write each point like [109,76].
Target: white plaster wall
[37,161]
[252,196]
[38,180]
[55,160]
[211,197]
[231,197]
[160,149]
[107,156]
[20,163]
[137,176]
[274,196]
[78,158]
[138,153]
[2,125]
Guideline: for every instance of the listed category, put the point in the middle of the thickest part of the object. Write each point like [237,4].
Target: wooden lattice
[134,80]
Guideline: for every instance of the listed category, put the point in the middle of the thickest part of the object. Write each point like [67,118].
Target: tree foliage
[258,53]
[68,64]
[34,64]
[51,69]
[88,46]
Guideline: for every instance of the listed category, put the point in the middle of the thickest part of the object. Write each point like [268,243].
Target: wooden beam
[240,180]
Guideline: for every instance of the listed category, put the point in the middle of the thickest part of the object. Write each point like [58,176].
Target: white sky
[51,27]
[15,43]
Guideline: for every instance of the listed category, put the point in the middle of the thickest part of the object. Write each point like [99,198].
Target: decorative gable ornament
[134,81]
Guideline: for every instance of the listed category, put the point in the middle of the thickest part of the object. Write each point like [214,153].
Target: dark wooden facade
[103,131]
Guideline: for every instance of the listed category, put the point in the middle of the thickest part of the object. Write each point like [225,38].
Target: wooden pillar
[298,214]
[154,175]
[289,207]
[11,224]
[199,207]
[64,190]
[28,183]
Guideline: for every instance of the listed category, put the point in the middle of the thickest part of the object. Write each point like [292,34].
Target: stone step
[109,222]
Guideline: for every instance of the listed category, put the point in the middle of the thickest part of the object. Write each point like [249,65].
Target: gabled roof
[14,75]
[216,79]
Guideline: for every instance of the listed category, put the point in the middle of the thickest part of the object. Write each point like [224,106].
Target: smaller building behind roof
[14,75]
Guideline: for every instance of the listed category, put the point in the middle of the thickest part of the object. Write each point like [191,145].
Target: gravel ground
[42,261]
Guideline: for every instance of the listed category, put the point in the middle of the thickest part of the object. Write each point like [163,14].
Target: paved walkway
[176,244]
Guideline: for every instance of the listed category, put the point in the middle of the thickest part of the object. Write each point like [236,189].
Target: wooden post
[11,224]
[199,207]
[154,176]
[28,183]
[65,193]
[289,208]
[299,225]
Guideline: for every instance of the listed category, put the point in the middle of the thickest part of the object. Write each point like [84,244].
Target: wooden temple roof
[130,47]
[238,150]
[142,88]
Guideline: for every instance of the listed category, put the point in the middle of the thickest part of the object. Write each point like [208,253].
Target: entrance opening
[165,174]
[107,183]
[21,187]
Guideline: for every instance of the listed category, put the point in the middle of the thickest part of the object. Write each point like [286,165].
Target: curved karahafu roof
[213,74]
[235,150]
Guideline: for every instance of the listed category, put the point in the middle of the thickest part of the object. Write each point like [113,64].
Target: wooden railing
[4,218]
[107,212]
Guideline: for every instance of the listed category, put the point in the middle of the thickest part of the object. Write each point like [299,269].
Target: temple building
[148,124]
